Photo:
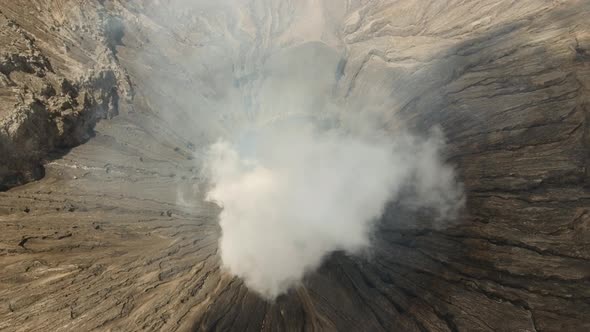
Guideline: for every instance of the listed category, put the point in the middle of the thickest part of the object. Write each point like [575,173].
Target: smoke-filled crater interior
[316,165]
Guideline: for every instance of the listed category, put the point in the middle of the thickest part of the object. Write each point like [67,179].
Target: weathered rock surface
[108,239]
[51,97]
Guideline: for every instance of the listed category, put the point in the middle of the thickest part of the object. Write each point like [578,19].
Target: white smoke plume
[292,193]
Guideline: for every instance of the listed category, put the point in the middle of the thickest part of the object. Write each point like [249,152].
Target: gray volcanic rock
[114,237]
[44,107]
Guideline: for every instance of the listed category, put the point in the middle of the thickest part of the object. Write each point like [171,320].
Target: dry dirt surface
[98,133]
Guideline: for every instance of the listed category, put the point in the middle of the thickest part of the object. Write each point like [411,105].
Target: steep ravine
[107,96]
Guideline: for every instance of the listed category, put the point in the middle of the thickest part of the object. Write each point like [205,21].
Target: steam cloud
[293,193]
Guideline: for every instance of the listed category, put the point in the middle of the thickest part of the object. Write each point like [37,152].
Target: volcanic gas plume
[294,192]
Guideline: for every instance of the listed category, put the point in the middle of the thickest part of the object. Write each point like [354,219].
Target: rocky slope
[114,236]
[55,82]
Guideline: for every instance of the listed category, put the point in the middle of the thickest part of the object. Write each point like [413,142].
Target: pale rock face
[117,234]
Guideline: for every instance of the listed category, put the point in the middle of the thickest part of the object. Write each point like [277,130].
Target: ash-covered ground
[107,109]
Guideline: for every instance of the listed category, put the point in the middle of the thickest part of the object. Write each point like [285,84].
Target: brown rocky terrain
[101,112]
[56,83]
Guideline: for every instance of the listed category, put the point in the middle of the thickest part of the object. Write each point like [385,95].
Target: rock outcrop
[113,237]
[45,107]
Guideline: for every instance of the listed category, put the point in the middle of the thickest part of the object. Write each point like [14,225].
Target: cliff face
[114,237]
[58,77]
